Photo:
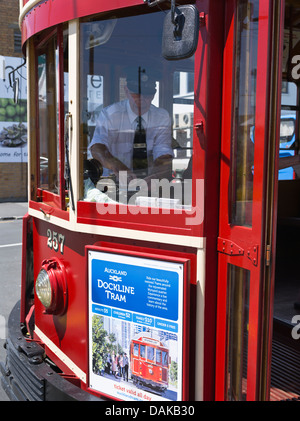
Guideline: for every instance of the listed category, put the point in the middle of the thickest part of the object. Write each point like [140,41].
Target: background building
[13,125]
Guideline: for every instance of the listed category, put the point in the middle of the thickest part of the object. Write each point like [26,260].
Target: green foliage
[174,372]
[99,344]
[103,344]
[9,111]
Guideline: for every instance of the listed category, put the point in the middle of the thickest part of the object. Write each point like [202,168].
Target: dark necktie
[139,157]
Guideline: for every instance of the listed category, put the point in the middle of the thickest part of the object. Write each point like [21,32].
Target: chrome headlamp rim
[43,288]
[53,278]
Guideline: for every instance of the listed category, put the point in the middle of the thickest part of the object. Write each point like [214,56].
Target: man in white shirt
[133,135]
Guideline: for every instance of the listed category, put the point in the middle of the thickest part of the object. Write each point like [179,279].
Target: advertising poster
[13,117]
[135,327]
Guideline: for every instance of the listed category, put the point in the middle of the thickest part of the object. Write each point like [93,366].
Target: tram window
[137,115]
[136,350]
[289,93]
[238,321]
[158,356]
[142,351]
[66,71]
[150,353]
[51,112]
[165,358]
[289,168]
[244,112]
[48,110]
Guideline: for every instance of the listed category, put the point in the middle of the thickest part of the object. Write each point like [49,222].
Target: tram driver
[133,135]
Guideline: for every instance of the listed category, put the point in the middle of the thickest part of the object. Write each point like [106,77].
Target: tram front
[122,101]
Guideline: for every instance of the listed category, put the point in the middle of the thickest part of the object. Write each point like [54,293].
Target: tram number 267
[55,241]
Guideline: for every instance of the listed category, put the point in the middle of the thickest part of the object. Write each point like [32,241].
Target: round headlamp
[51,286]
[43,288]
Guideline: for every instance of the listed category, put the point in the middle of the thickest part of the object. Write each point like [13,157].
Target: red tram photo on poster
[161,245]
[150,362]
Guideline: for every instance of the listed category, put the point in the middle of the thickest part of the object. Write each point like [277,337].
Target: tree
[99,344]
[174,371]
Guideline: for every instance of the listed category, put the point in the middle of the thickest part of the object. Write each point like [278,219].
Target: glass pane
[183,122]
[150,353]
[137,115]
[165,359]
[244,112]
[66,69]
[57,120]
[158,356]
[289,94]
[289,167]
[64,110]
[48,123]
[238,320]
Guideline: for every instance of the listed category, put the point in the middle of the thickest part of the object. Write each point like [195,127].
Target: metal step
[285,371]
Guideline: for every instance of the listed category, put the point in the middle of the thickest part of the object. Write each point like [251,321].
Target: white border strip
[200,339]
[156,237]
[63,357]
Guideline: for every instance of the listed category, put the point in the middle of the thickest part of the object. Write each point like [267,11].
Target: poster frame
[185,305]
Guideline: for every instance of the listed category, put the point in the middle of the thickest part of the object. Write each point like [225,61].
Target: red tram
[157,132]
[149,361]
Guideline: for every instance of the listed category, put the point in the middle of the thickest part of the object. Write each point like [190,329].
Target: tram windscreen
[150,353]
[137,113]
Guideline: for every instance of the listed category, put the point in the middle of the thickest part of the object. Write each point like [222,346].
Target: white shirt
[115,129]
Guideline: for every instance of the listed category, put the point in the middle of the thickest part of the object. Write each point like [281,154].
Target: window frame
[178,222]
[57,201]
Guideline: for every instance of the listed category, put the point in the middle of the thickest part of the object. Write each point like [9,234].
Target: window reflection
[289,166]
[142,351]
[47,92]
[137,115]
[243,133]
[158,356]
[165,358]
[150,353]
[238,320]
[50,61]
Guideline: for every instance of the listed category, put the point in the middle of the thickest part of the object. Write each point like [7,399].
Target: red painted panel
[209,91]
[49,13]
[69,331]
[49,208]
[140,218]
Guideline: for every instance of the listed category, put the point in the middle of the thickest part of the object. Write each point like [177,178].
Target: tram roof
[37,15]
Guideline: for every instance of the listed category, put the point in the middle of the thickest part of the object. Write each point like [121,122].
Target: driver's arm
[162,167]
[102,154]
